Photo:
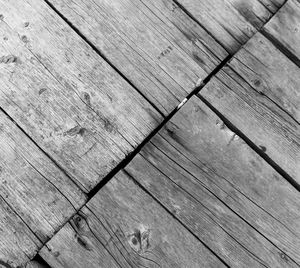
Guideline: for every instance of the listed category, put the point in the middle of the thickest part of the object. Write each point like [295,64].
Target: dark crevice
[167,118]
[44,152]
[251,144]
[76,30]
[281,47]
[38,259]
[200,24]
[174,217]
[130,156]
[220,200]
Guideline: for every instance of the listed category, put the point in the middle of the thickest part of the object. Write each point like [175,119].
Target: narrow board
[65,96]
[156,45]
[263,106]
[268,71]
[283,29]
[221,190]
[231,22]
[36,198]
[122,226]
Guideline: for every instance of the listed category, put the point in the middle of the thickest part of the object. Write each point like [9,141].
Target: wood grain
[122,226]
[256,116]
[158,47]
[231,22]
[220,189]
[270,73]
[65,96]
[36,198]
[284,28]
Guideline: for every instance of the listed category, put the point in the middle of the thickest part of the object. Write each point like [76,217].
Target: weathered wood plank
[65,96]
[232,22]
[223,191]
[258,117]
[122,226]
[269,72]
[158,47]
[17,242]
[36,198]
[284,28]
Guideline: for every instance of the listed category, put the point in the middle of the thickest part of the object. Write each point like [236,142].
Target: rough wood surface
[231,22]
[224,192]
[36,198]
[270,73]
[284,29]
[257,117]
[122,226]
[65,96]
[158,47]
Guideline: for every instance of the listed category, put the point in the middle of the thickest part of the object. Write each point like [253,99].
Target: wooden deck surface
[158,133]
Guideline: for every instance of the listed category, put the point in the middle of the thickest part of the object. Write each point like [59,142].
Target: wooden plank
[122,226]
[65,96]
[284,28]
[258,117]
[224,192]
[17,244]
[36,198]
[157,46]
[232,22]
[269,72]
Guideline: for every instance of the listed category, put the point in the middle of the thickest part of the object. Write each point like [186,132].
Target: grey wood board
[36,197]
[78,109]
[221,189]
[122,226]
[284,28]
[157,46]
[263,121]
[232,22]
[269,72]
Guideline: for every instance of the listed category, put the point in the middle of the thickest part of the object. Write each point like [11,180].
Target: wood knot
[42,90]
[79,222]
[84,242]
[139,240]
[26,24]
[24,39]
[284,256]
[257,83]
[87,98]
[78,130]
[8,59]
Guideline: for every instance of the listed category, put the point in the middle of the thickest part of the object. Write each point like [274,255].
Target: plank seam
[172,215]
[251,144]
[96,50]
[130,156]
[285,51]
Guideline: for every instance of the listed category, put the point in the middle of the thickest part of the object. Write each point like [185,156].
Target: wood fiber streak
[122,226]
[36,198]
[157,46]
[65,96]
[221,189]
[232,22]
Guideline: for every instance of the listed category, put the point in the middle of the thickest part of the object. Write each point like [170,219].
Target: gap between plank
[76,30]
[251,144]
[197,89]
[130,156]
